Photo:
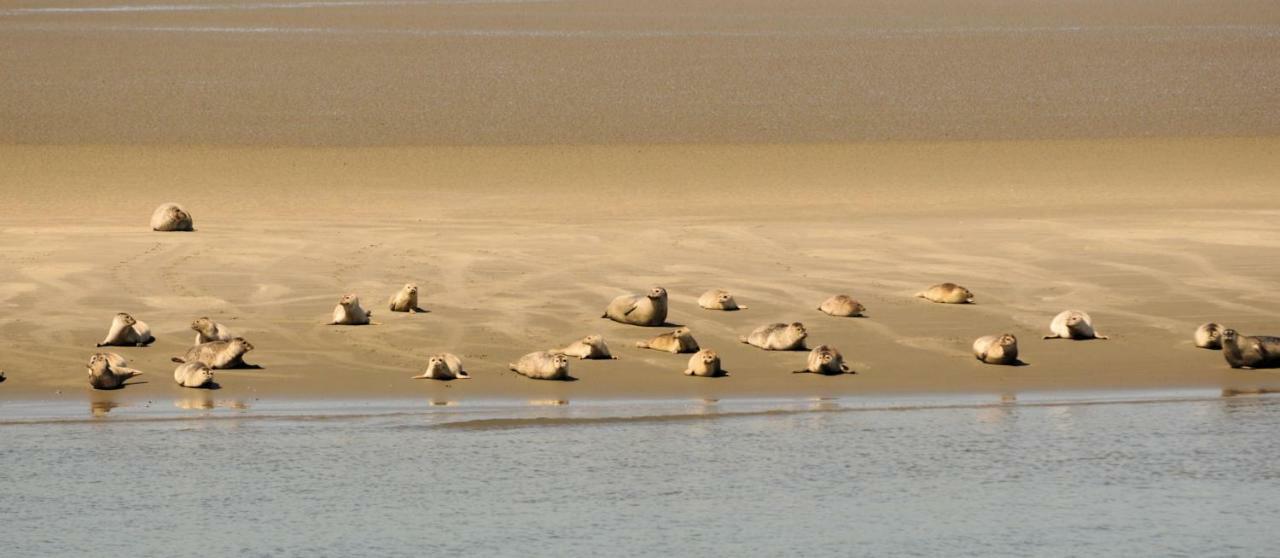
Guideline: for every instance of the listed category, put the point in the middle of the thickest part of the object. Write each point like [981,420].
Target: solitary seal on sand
[1073,324]
[349,312]
[842,306]
[947,293]
[127,332]
[589,347]
[1209,336]
[674,342]
[719,299]
[705,363]
[777,337]
[171,217]
[219,354]
[825,360]
[444,366]
[1250,352]
[193,375]
[542,365]
[642,310]
[997,349]
[109,371]
[208,330]
[406,300]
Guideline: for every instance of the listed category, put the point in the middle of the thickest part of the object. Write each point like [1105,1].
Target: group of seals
[171,217]
[127,332]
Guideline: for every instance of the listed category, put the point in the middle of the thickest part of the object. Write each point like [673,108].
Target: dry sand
[519,249]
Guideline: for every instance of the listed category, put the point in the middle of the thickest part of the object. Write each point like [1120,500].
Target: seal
[127,332]
[705,363]
[589,347]
[719,299]
[194,375]
[219,354]
[777,337]
[543,365]
[207,330]
[1250,351]
[406,300]
[825,360]
[674,342]
[642,310]
[109,371]
[842,306]
[1073,324]
[349,312]
[997,349]
[443,366]
[947,293]
[1209,336]
[171,217]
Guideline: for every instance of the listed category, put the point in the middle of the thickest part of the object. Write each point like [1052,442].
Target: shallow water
[1196,476]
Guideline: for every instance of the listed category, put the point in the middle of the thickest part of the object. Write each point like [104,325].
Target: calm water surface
[1184,477]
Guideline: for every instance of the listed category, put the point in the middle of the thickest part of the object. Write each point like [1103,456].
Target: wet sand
[519,249]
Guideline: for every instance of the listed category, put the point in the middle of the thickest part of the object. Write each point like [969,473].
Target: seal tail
[463,375]
[178,360]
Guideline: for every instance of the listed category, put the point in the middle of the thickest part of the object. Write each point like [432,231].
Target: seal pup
[825,360]
[542,365]
[127,332]
[719,299]
[705,363]
[171,217]
[1209,336]
[443,366]
[1073,324]
[208,330]
[842,306]
[109,371]
[997,349]
[349,312]
[641,310]
[947,293]
[194,375]
[219,354]
[674,342]
[589,347]
[406,300]
[777,337]
[1250,351]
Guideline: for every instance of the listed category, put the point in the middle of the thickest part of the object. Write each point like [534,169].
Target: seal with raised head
[126,331]
[443,366]
[219,354]
[349,312]
[825,360]
[109,371]
[542,365]
[777,337]
[1073,324]
[947,293]
[842,306]
[1209,336]
[589,347]
[997,349]
[406,300]
[641,310]
[171,217]
[194,375]
[705,363]
[678,341]
[1250,351]
[208,330]
[719,299]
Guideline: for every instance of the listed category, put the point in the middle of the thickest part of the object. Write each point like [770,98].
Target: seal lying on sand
[777,337]
[1209,336]
[542,365]
[646,310]
[997,349]
[705,363]
[219,354]
[589,347]
[674,342]
[719,299]
[1250,352]
[406,300]
[825,360]
[193,375]
[444,366]
[349,312]
[171,217]
[842,306]
[1073,324]
[109,371]
[947,293]
[207,330]
[127,332]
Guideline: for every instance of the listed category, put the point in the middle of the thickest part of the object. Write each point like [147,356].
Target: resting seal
[642,310]
[194,375]
[349,312]
[127,332]
[705,363]
[1209,336]
[171,217]
[109,371]
[777,337]
[207,330]
[947,293]
[542,365]
[406,300]
[589,347]
[842,306]
[444,366]
[827,361]
[1073,324]
[719,299]
[675,342]
[997,349]
[219,354]
[1250,352]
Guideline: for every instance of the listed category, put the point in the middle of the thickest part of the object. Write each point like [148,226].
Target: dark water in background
[823,478]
